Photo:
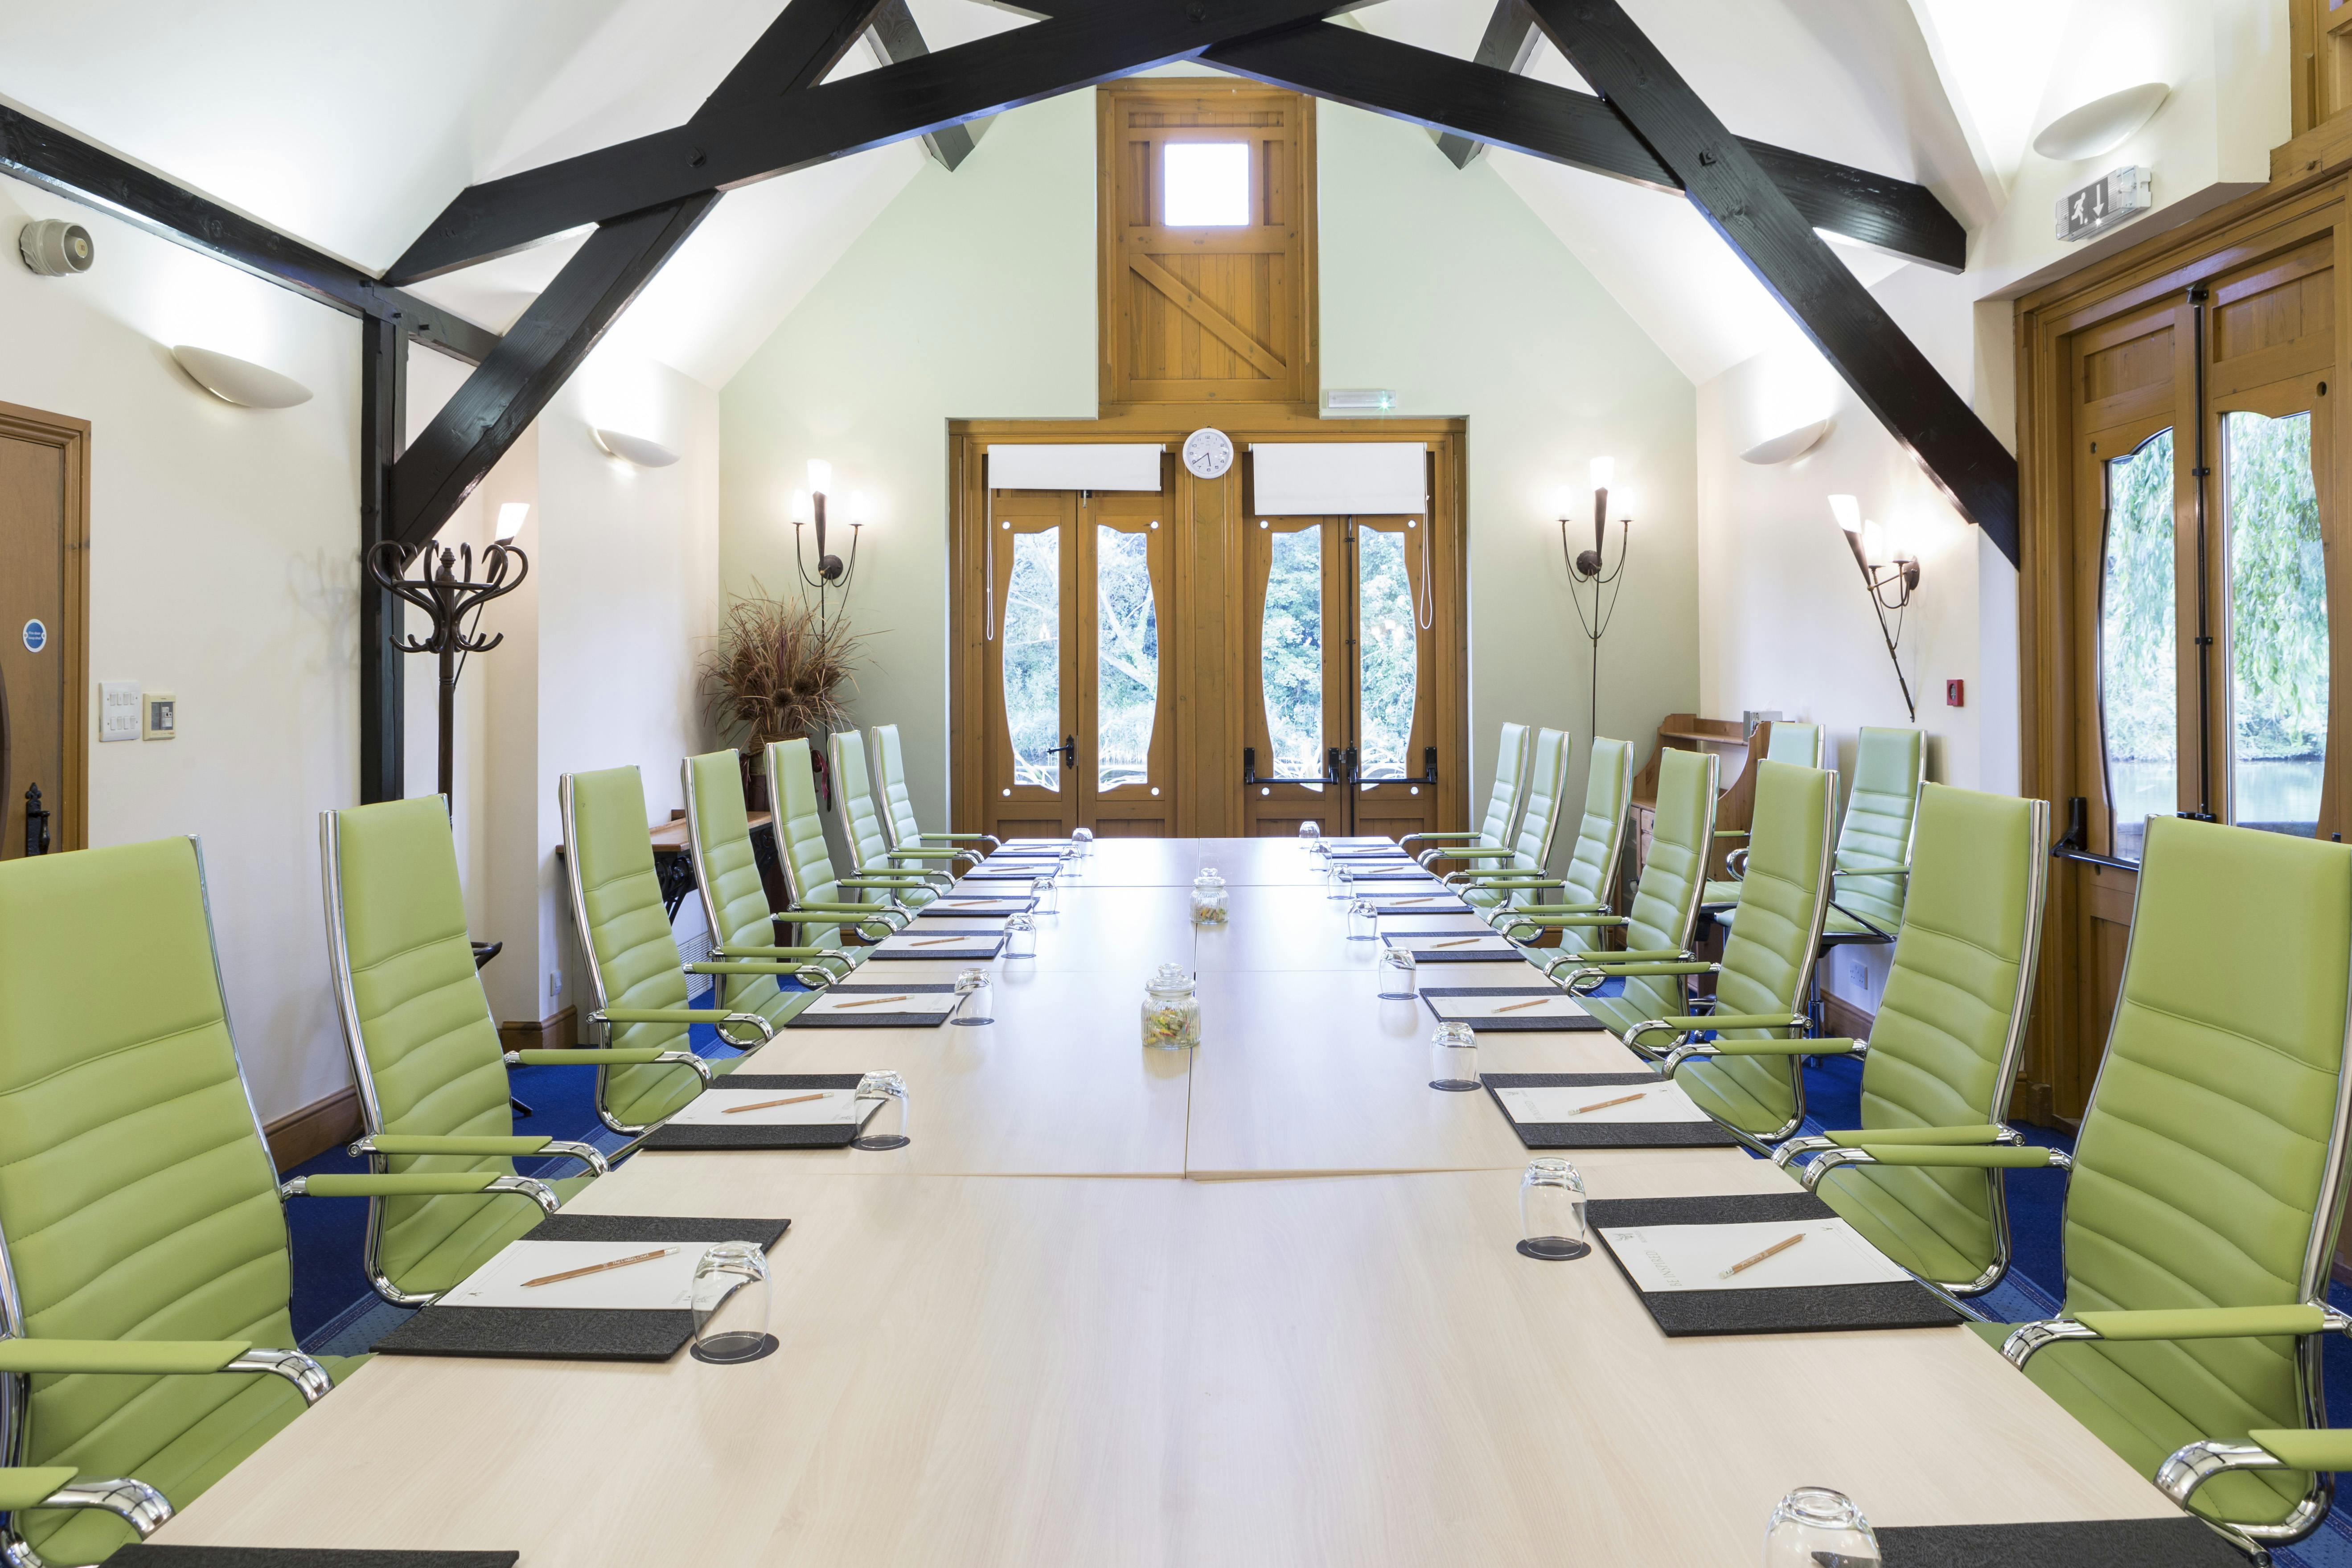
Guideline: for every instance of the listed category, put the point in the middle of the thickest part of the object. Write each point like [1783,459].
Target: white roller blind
[1092,467]
[1312,478]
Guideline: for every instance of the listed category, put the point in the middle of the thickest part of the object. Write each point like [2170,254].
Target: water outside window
[1388,653]
[1127,656]
[1033,657]
[1290,653]
[2278,624]
[2138,628]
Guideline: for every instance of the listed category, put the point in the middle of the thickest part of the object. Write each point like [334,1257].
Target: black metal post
[384,429]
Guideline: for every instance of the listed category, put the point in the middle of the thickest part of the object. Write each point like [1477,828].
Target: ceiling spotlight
[238,381]
[2100,125]
[636,449]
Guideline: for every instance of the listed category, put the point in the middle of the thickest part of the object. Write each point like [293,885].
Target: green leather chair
[1944,1049]
[1591,882]
[635,978]
[2207,1183]
[425,1051]
[744,958]
[1784,741]
[1749,1077]
[144,1266]
[899,801]
[1529,854]
[1664,912]
[869,843]
[817,892]
[1503,803]
[1873,850]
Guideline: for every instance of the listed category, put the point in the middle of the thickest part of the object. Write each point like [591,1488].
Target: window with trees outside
[2140,709]
[1127,656]
[2278,624]
[1387,652]
[1290,653]
[1033,657]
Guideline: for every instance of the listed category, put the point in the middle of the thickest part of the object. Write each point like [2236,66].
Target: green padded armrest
[958,838]
[1983,1157]
[1688,1022]
[1416,838]
[1874,870]
[1828,1046]
[23,1487]
[1564,923]
[2329,1448]
[750,966]
[925,854]
[874,914]
[408,1185]
[1923,1137]
[1671,966]
[2207,1323]
[1517,877]
[1731,833]
[150,1358]
[732,953]
[587,1055]
[1629,955]
[454,1144]
[1540,909]
[883,879]
[1480,852]
[665,1015]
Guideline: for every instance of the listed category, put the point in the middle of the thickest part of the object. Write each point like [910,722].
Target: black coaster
[675,1137]
[1581,1250]
[2075,1543]
[1602,1134]
[1813,1309]
[768,1347]
[1509,1026]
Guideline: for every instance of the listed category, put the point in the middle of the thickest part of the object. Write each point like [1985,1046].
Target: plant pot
[755,779]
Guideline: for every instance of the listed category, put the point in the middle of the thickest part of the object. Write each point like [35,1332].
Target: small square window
[1205,184]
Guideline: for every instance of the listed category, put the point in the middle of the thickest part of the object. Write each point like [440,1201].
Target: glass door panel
[2139,710]
[2278,641]
[1395,677]
[1030,687]
[1291,654]
[1127,720]
[1033,659]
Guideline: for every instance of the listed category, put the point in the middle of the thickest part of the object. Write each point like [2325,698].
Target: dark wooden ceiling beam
[1508,43]
[1488,105]
[738,144]
[1733,190]
[799,49]
[898,38]
[59,162]
[527,369]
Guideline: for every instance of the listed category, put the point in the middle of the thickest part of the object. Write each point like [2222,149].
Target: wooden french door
[1079,728]
[1341,675]
[44,549]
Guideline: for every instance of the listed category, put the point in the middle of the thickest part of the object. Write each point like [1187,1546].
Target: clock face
[1208,453]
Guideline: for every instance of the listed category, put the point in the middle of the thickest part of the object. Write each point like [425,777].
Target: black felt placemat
[1397,875]
[1014,905]
[990,943]
[1435,954]
[576,1334]
[1774,1311]
[2076,1543]
[160,1556]
[1602,1134]
[837,1136]
[1507,1025]
[871,1020]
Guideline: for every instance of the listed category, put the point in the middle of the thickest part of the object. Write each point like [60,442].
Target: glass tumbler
[1400,973]
[1020,937]
[1551,1211]
[730,1303]
[1042,893]
[1343,881]
[1082,841]
[1310,835]
[972,997]
[1454,1052]
[1363,923]
[886,1086]
[1814,1527]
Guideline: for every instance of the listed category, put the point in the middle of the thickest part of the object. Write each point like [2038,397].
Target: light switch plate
[163,711]
[118,711]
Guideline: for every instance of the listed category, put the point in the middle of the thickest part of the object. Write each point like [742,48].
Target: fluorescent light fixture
[1604,470]
[1359,400]
[1848,512]
[237,381]
[2100,125]
[1204,184]
[635,449]
[1789,444]
[511,516]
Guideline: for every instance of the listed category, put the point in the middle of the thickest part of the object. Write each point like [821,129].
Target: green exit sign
[2123,195]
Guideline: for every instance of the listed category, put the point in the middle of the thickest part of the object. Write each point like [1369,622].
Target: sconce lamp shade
[1788,444]
[1848,512]
[861,507]
[510,519]
[636,449]
[1604,470]
[2100,125]
[1875,547]
[820,474]
[241,382]
[801,509]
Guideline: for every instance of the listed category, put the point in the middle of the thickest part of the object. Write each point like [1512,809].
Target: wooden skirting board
[1841,1020]
[560,1033]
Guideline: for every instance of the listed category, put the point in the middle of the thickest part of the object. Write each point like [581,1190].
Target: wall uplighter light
[238,381]
[640,450]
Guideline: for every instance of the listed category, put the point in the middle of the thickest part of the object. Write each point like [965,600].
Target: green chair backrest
[2210,1168]
[1793,743]
[633,959]
[1547,793]
[726,872]
[1510,780]
[425,1049]
[1889,766]
[868,842]
[138,1200]
[898,798]
[1665,911]
[800,835]
[1591,873]
[1951,1020]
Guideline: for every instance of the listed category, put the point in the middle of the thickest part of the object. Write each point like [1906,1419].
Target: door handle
[37,822]
[1069,750]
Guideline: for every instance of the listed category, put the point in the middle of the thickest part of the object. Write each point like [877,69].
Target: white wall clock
[1208,453]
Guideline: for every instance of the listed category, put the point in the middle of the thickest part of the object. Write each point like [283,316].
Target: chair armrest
[1690,1023]
[450,1144]
[1564,922]
[928,852]
[2270,1448]
[1927,1137]
[991,839]
[1800,1047]
[1873,869]
[590,1056]
[1479,852]
[418,1184]
[883,879]
[1540,910]
[1433,837]
[164,1358]
[2289,1321]
[718,1017]
[138,1505]
[1684,967]
[1731,833]
[1979,1157]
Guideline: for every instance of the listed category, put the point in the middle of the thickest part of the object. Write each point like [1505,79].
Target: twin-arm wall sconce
[1590,567]
[1890,572]
[809,507]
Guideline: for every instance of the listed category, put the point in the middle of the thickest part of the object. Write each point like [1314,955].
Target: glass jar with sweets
[1171,1010]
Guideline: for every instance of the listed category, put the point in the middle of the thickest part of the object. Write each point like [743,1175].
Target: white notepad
[968,944]
[1503,1006]
[852,1004]
[1403,901]
[965,906]
[833,1108]
[1659,1102]
[1692,1256]
[1435,946]
[660,1283]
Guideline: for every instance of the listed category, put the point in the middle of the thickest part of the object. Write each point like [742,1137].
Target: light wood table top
[1085,1372]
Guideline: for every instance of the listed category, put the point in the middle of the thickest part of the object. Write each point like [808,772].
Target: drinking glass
[1343,881]
[1400,973]
[1082,840]
[973,997]
[1453,1051]
[1814,1527]
[1551,1211]
[1020,937]
[1363,923]
[886,1086]
[730,1303]
[1042,893]
[1310,834]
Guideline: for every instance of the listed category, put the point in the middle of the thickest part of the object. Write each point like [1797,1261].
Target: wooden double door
[44,534]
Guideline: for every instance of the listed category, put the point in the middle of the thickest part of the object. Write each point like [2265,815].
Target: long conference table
[1253,1303]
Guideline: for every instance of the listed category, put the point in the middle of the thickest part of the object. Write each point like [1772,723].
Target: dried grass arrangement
[777,670]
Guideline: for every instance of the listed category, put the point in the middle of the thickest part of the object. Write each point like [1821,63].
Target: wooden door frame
[70,828]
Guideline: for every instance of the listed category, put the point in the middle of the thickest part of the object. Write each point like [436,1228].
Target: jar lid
[1208,877]
[1171,977]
